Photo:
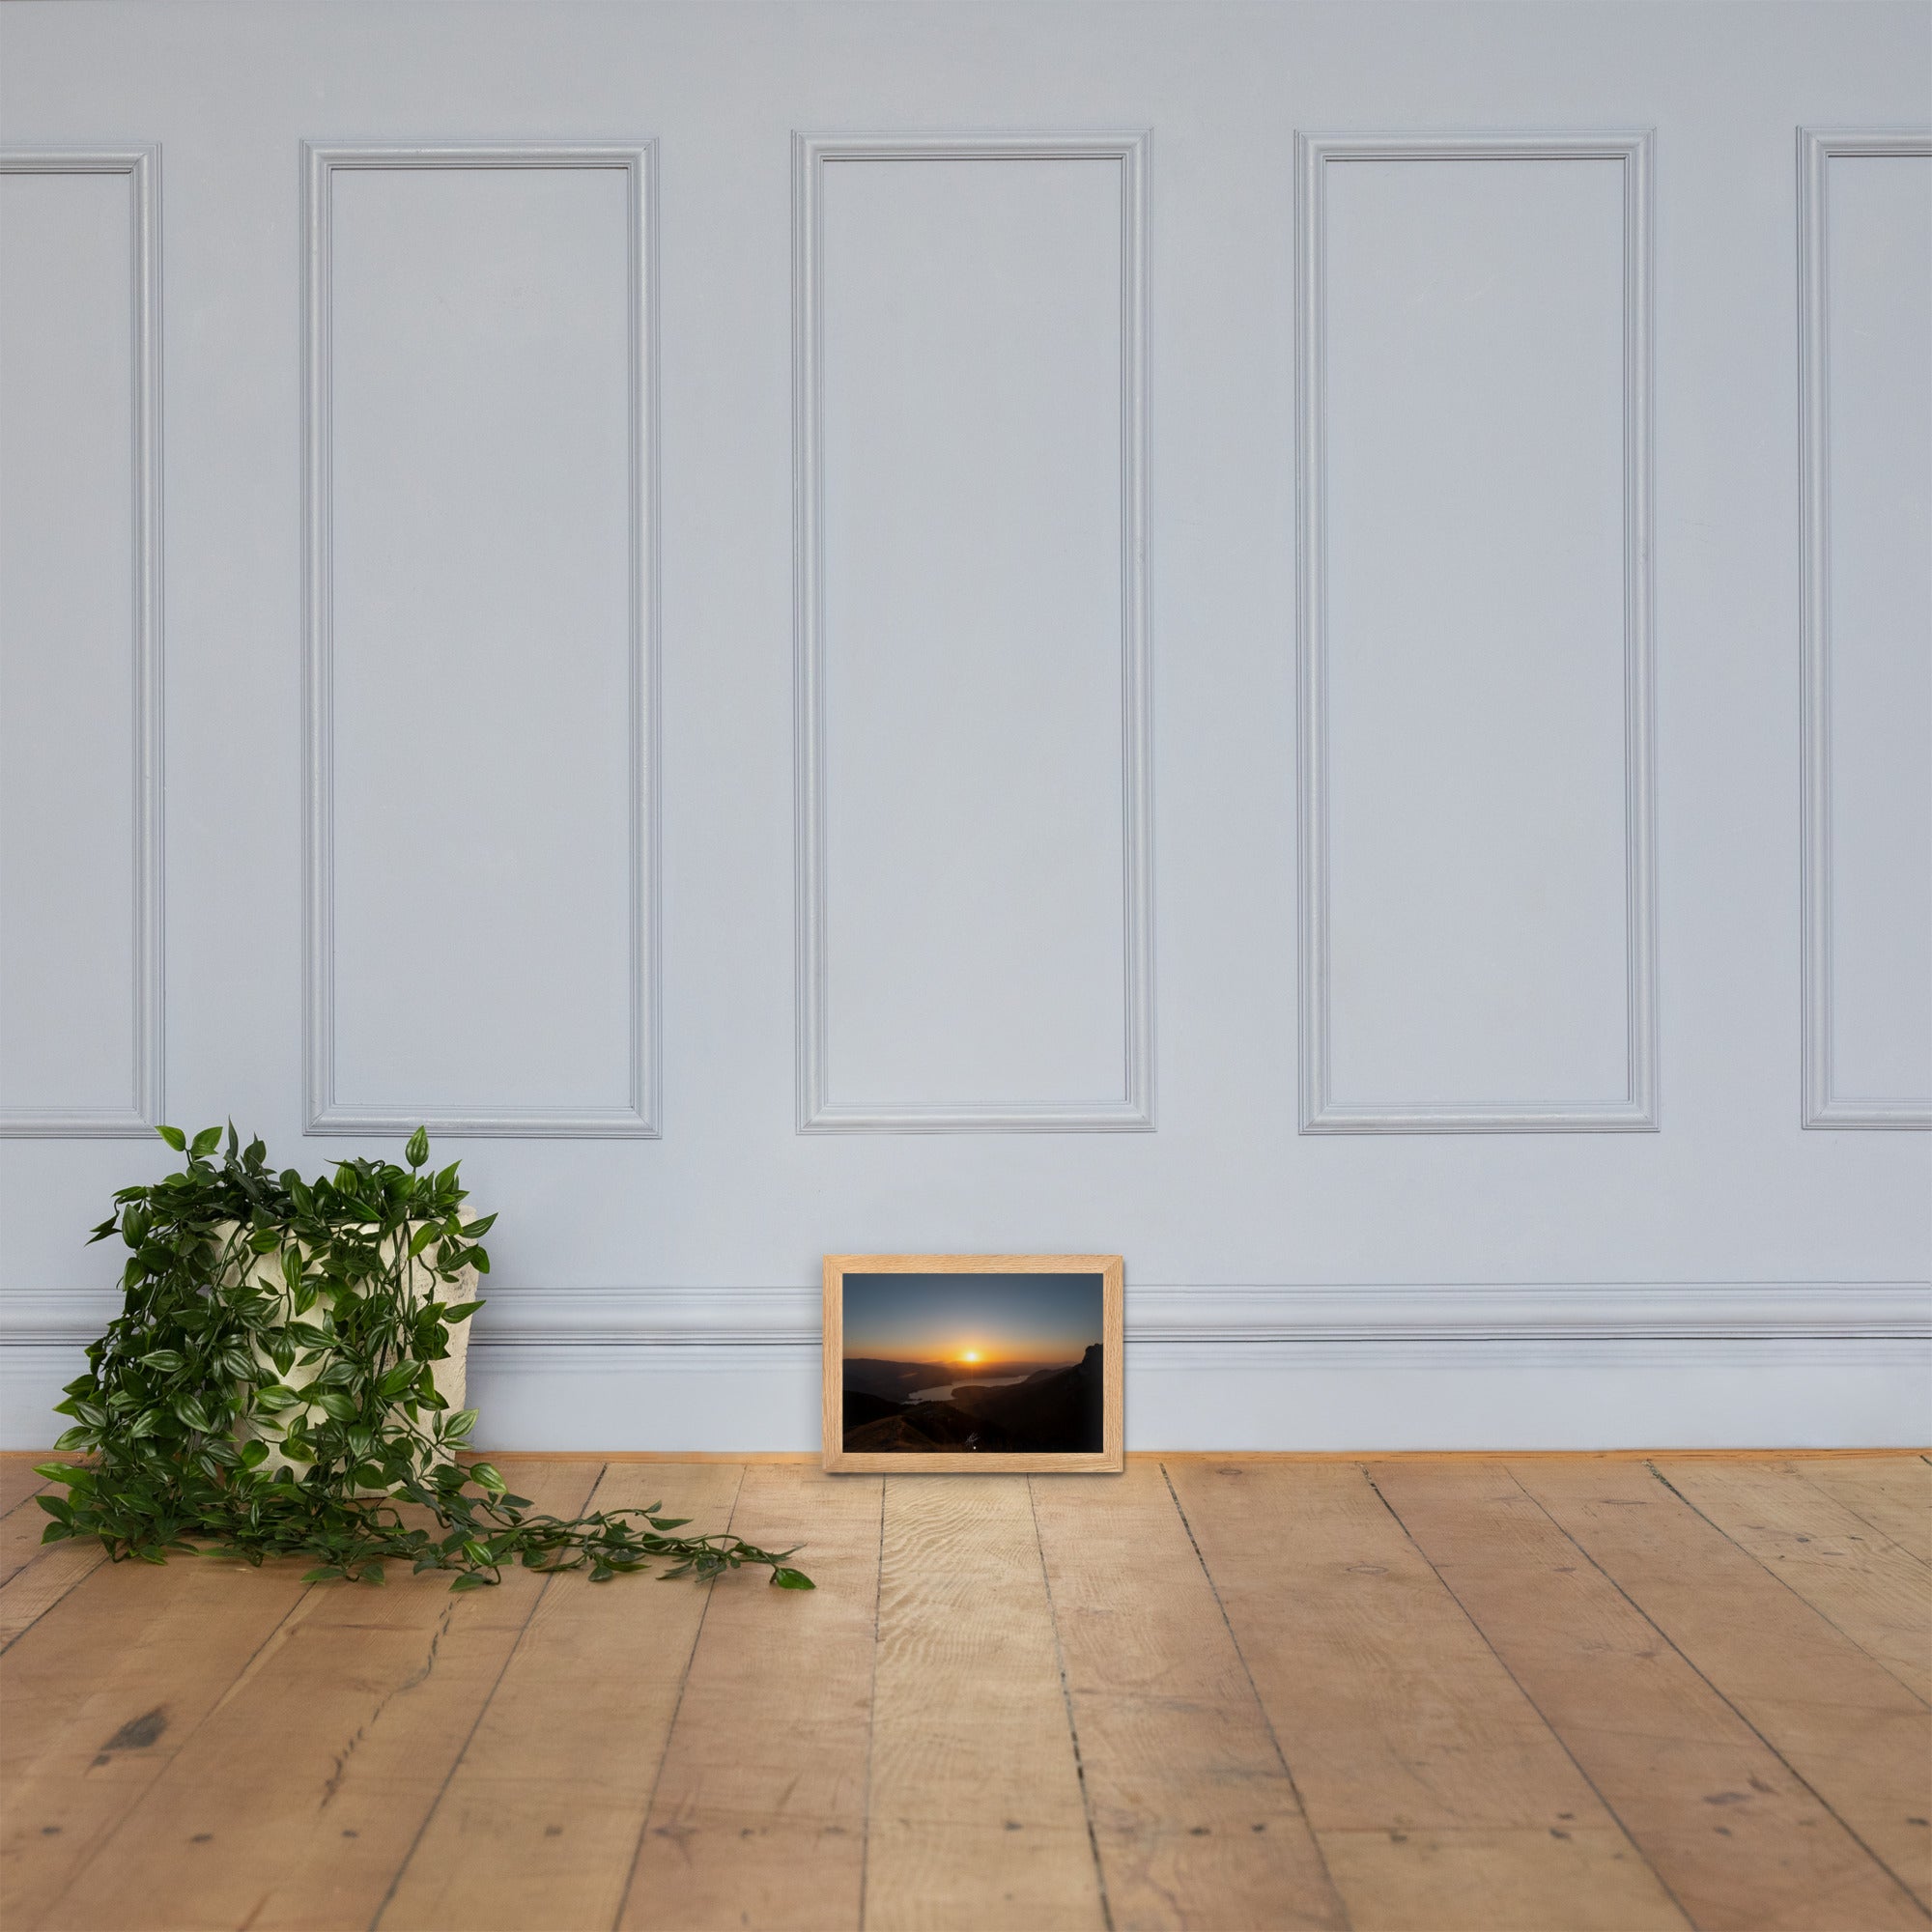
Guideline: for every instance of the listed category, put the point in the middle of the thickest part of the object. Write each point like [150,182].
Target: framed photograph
[983,1363]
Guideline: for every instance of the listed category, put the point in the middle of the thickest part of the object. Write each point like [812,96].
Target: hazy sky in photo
[927,1318]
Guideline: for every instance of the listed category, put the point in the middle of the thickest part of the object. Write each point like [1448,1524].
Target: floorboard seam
[46,1608]
[1067,1699]
[671,1729]
[1798,1776]
[872,1708]
[1862,1650]
[1879,1530]
[469,1738]
[1562,1743]
[39,1490]
[1260,1705]
[114,1830]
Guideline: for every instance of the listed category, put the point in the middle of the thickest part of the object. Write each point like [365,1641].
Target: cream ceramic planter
[265,1271]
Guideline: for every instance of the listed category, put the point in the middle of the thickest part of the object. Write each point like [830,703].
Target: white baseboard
[1452,1366]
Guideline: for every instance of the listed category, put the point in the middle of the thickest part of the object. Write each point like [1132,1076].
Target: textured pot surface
[450,1374]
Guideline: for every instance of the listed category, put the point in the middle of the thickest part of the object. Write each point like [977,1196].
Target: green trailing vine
[269,1387]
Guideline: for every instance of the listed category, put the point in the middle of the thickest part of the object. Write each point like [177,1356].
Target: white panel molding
[1433,1317]
[1437,1323]
[1333,1368]
[639,1118]
[817,1111]
[1822,1105]
[1321,1111]
[142,165]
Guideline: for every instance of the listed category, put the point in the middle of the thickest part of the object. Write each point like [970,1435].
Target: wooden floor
[1425,1692]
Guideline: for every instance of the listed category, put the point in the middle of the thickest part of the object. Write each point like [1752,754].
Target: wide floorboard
[1411,1694]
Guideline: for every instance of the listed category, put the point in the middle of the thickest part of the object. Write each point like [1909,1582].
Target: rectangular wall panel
[974,867]
[80,696]
[482,939]
[1477,890]
[1866,307]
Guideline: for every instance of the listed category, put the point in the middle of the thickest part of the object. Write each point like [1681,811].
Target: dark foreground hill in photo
[1053,1411]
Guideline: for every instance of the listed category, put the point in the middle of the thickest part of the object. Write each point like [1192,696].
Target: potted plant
[286,1378]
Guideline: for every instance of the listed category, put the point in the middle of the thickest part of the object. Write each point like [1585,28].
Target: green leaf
[174,1137]
[197,1444]
[417,1149]
[792,1579]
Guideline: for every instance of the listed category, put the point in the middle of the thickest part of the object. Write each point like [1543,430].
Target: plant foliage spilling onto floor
[269,1387]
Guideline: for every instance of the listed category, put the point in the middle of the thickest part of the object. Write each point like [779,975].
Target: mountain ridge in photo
[1055,1410]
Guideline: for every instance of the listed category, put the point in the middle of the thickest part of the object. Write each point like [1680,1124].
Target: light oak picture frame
[1062,1305]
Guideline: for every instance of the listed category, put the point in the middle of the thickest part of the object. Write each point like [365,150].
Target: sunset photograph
[966,1363]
